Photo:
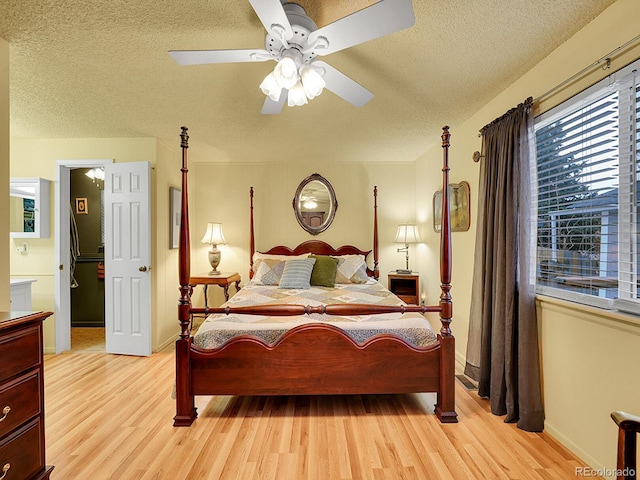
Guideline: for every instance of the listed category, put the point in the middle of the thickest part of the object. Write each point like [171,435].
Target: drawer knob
[5,412]
[5,469]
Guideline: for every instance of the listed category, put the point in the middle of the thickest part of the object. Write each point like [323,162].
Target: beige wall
[37,158]
[589,362]
[4,173]
[220,193]
[165,276]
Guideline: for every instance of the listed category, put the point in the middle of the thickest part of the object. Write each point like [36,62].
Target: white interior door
[127,255]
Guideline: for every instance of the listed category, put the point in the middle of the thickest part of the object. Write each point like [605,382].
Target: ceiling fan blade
[201,57]
[378,20]
[271,108]
[270,12]
[343,86]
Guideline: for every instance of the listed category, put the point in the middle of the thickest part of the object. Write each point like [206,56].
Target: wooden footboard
[315,359]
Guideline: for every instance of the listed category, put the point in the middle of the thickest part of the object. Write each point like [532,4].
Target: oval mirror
[315,204]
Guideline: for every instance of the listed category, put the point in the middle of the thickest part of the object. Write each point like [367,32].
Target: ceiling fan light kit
[294,41]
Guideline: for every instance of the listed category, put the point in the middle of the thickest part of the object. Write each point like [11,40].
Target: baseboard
[461,362]
[164,344]
[575,449]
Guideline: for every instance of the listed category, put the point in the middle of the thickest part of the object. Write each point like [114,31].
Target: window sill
[610,318]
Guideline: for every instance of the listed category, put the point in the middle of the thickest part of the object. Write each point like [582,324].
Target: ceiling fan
[294,41]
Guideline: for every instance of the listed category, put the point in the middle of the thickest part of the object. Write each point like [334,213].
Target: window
[587,161]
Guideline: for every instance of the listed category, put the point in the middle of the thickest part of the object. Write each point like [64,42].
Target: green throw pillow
[324,271]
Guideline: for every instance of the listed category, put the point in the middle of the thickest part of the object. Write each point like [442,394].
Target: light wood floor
[110,417]
[88,339]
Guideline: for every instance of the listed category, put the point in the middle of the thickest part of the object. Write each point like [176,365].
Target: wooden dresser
[22,397]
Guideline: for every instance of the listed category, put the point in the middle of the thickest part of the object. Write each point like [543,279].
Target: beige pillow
[259,257]
[351,269]
[269,272]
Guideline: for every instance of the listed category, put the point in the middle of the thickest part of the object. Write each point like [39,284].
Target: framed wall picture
[82,206]
[459,205]
[175,206]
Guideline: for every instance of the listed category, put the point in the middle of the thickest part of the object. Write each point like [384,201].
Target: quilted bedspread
[219,328]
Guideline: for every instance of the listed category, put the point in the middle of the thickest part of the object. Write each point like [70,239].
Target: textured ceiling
[97,68]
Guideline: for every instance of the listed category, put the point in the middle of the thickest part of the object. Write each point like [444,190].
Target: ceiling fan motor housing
[301,25]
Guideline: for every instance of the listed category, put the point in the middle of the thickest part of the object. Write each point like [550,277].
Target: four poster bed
[275,337]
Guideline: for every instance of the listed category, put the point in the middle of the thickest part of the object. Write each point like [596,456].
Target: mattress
[218,329]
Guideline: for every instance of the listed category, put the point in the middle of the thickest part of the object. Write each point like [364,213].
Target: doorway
[87,260]
[66,211]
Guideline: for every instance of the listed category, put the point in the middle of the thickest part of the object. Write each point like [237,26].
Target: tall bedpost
[184,253]
[446,405]
[252,245]
[376,270]
[445,241]
[185,403]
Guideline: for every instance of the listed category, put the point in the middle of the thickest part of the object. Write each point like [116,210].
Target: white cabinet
[29,208]
[21,294]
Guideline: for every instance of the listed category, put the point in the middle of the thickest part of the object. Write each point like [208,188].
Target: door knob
[143,269]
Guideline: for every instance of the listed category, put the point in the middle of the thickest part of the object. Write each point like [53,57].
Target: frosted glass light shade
[286,72]
[407,234]
[296,96]
[312,81]
[213,235]
[270,87]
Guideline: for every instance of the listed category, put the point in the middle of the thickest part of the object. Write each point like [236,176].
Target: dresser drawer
[23,451]
[19,350]
[20,400]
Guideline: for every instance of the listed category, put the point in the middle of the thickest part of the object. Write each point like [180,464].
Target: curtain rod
[607,64]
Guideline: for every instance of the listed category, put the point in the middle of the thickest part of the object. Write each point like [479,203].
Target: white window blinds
[587,200]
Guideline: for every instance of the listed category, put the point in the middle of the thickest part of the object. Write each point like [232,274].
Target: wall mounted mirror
[29,207]
[315,204]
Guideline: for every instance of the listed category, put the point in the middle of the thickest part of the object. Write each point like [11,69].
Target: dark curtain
[502,352]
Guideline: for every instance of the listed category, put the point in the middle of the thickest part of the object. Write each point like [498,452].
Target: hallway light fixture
[214,237]
[96,174]
[406,234]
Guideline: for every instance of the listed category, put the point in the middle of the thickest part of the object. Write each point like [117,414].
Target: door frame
[62,283]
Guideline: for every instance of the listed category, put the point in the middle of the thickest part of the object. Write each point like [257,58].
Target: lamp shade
[213,235]
[407,234]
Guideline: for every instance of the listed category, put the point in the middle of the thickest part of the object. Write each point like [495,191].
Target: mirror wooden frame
[332,198]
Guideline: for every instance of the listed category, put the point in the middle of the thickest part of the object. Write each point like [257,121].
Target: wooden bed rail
[628,429]
[286,310]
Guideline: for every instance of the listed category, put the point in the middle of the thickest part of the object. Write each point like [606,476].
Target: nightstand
[405,286]
[223,280]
